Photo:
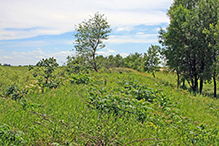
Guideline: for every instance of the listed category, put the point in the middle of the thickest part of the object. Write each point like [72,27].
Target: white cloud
[24,43]
[124,54]
[138,38]
[55,16]
[106,53]
[32,57]
[111,51]
[19,56]
[126,28]
[140,33]
[7,57]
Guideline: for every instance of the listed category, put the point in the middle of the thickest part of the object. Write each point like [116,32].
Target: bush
[44,70]
[80,78]
[14,92]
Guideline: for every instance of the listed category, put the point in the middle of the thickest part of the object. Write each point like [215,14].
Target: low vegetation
[97,100]
[111,107]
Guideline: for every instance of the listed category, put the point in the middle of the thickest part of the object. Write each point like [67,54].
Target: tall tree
[89,37]
[152,59]
[186,46]
[213,38]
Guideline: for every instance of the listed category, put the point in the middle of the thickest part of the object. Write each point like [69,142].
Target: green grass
[10,75]
[63,116]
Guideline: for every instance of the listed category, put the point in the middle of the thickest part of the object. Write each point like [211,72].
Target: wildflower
[152,125]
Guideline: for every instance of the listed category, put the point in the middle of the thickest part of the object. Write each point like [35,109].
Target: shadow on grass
[206,92]
[211,94]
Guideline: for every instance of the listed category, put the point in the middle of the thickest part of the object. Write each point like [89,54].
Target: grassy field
[116,107]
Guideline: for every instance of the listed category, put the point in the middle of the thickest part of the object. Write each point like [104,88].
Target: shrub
[80,78]
[10,137]
[14,92]
[44,70]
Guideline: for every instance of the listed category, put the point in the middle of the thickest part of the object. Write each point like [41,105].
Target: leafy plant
[76,68]
[14,92]
[138,91]
[10,137]
[44,70]
[80,78]
[117,103]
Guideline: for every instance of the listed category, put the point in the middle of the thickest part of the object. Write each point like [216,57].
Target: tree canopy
[186,46]
[89,37]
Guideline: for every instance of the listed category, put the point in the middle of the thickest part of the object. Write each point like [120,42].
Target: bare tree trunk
[215,85]
[183,80]
[196,83]
[94,62]
[153,74]
[201,85]
[95,66]
[178,80]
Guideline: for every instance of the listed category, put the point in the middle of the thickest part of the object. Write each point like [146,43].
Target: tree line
[190,42]
[89,38]
[143,62]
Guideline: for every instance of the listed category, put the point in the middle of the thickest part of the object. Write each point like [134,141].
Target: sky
[34,29]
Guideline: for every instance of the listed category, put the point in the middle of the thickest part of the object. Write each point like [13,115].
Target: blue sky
[34,29]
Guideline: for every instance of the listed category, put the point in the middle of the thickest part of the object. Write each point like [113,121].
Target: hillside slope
[116,107]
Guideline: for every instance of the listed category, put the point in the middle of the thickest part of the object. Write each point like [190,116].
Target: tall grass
[63,116]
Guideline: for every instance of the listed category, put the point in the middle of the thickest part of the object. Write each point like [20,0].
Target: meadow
[115,106]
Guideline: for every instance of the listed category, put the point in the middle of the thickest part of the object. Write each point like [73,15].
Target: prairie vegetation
[110,107]
[97,100]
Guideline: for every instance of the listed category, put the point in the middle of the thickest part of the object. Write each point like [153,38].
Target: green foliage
[152,59]
[80,78]
[134,61]
[44,71]
[115,108]
[132,98]
[14,75]
[138,91]
[89,37]
[186,43]
[11,137]
[141,62]
[78,62]
[212,35]
[112,103]
[14,92]
[76,68]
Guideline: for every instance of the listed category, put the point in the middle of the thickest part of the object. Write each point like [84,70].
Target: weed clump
[14,92]
[11,137]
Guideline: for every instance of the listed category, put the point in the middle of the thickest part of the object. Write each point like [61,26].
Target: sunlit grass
[63,115]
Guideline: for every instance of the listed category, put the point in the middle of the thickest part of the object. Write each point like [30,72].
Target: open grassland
[116,107]
[10,75]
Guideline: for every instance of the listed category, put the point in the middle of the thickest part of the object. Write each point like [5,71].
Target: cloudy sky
[34,29]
